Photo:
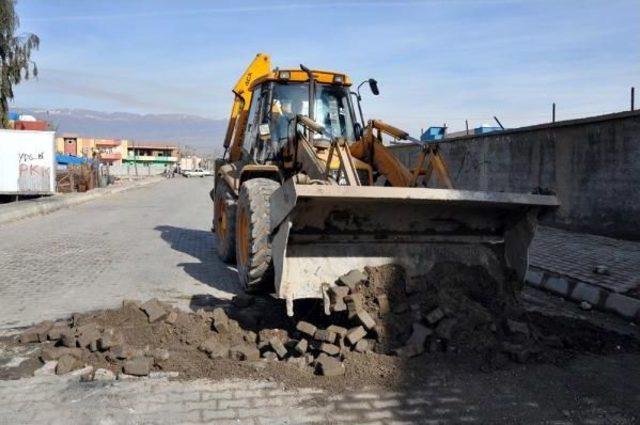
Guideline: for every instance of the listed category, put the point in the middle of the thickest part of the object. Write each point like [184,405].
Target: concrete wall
[133,171]
[592,164]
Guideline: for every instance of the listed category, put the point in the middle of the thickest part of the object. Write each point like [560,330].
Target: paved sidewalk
[576,255]
[10,212]
[564,262]
[528,395]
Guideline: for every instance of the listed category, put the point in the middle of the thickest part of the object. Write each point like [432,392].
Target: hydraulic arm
[371,150]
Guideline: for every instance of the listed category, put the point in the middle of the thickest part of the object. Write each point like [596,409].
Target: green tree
[15,56]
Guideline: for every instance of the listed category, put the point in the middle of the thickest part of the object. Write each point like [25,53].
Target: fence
[77,178]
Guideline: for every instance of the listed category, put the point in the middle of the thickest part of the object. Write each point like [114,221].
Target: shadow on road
[451,383]
[200,244]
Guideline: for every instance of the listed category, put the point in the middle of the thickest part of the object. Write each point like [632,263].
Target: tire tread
[255,195]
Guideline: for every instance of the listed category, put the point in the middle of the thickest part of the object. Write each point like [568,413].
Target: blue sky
[436,61]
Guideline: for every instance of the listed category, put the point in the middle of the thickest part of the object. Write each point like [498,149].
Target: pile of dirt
[462,309]
[455,307]
[249,337]
[380,328]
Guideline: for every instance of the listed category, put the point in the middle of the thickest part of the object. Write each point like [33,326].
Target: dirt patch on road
[382,330]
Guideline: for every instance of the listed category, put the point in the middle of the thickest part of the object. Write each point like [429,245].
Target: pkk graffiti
[34,170]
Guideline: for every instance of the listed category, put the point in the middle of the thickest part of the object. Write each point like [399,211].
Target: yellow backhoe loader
[306,192]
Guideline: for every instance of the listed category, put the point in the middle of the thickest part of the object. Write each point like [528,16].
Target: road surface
[155,242]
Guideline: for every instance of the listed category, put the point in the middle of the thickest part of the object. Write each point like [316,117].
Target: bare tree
[15,56]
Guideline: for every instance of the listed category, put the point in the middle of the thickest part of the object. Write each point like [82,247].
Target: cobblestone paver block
[534,277]
[559,285]
[154,310]
[624,306]
[586,292]
[306,328]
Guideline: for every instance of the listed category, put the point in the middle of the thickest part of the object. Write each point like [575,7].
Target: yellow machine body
[345,203]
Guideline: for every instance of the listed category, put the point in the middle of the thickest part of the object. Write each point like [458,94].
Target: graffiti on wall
[34,175]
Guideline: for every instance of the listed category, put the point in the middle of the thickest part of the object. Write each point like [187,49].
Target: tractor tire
[224,216]
[253,246]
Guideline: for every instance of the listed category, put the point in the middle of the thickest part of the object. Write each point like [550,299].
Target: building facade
[154,155]
[107,151]
[119,152]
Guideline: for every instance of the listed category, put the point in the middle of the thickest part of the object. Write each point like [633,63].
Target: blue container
[64,159]
[484,129]
[433,133]
[14,116]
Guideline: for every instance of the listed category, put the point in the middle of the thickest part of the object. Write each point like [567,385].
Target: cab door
[253,122]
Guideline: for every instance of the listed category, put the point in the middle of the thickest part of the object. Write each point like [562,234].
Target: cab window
[253,121]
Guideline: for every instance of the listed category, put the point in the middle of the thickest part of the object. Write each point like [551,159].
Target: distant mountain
[203,134]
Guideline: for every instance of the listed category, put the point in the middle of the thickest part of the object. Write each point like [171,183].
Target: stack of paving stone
[410,320]
[70,343]
[306,346]
[325,348]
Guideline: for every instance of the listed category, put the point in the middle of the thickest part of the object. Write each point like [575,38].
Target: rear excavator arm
[371,150]
[259,67]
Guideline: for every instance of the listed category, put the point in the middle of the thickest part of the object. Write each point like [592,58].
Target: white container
[186,164]
[27,162]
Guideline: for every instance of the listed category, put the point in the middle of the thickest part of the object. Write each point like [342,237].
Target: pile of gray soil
[379,328]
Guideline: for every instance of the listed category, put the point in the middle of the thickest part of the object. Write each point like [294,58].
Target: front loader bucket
[321,232]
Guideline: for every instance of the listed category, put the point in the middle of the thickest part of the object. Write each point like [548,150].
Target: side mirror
[373,85]
[357,128]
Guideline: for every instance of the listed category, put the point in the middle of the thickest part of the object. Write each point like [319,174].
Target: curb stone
[623,305]
[600,298]
[559,285]
[589,293]
[534,277]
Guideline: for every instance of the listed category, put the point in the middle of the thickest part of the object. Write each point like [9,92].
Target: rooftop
[151,145]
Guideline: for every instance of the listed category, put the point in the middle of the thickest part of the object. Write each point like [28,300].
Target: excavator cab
[273,127]
[332,108]
[275,105]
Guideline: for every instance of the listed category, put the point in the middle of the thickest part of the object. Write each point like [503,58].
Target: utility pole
[633,98]
[135,158]
[553,112]
[466,124]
